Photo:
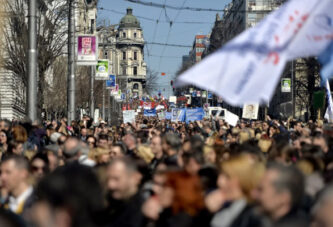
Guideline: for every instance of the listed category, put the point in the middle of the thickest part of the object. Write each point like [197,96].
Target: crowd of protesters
[166,174]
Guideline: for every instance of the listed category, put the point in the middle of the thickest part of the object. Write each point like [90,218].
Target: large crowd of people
[158,173]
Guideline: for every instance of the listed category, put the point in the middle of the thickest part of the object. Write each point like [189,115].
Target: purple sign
[87,50]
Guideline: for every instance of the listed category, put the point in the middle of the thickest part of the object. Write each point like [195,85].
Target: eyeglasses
[2,135]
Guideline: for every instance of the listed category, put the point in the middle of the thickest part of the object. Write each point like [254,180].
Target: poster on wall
[86,50]
[102,69]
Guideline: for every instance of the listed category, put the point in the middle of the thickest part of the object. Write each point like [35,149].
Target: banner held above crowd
[248,68]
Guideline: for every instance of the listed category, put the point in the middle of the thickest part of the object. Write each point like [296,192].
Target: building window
[134,34]
[124,55]
[136,86]
[135,55]
[135,70]
[124,70]
[124,34]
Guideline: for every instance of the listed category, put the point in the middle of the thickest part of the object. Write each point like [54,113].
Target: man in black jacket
[280,195]
[125,201]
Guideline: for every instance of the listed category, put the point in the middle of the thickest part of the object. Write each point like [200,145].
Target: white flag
[329,110]
[247,69]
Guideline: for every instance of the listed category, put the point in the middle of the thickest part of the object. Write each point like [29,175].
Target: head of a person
[70,196]
[156,145]
[281,190]
[19,134]
[171,144]
[39,165]
[182,192]
[130,141]
[321,142]
[265,126]
[123,178]
[101,155]
[52,152]
[193,161]
[118,150]
[3,137]
[71,150]
[91,141]
[14,174]
[84,132]
[322,210]
[103,141]
[144,152]
[5,124]
[240,176]
[15,147]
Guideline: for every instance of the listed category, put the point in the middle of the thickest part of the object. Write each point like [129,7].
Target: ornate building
[124,47]
[131,67]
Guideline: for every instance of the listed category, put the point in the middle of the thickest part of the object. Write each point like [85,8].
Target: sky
[162,32]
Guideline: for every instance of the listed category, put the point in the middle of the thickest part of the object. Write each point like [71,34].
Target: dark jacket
[295,218]
[125,213]
[167,219]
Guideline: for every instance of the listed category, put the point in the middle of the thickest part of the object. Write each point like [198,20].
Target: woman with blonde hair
[144,152]
[100,155]
[239,177]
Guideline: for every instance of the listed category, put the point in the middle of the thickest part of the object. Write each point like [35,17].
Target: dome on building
[129,21]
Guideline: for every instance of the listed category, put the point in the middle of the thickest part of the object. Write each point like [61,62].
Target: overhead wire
[155,29]
[155,20]
[169,32]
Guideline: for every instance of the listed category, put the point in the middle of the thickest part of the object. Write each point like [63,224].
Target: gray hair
[173,141]
[289,179]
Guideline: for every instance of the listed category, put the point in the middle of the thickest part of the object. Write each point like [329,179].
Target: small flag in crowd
[248,68]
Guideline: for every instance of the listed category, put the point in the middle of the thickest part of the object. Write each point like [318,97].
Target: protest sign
[195,114]
[231,118]
[161,115]
[178,115]
[250,111]
[149,113]
[128,116]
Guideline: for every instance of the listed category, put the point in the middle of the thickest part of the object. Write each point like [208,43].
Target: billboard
[87,48]
[102,69]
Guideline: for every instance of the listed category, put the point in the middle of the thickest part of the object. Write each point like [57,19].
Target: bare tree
[151,81]
[51,39]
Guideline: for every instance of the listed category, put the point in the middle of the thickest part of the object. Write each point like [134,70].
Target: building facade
[198,48]
[12,85]
[124,48]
